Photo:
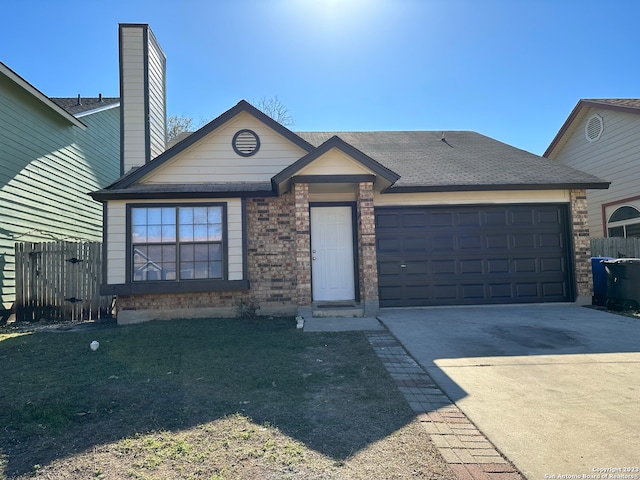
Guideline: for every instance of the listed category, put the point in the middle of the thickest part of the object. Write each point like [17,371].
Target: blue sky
[509,69]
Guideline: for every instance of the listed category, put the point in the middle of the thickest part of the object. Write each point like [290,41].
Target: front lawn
[211,399]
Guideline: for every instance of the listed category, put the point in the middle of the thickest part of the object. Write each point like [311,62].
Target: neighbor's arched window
[624,222]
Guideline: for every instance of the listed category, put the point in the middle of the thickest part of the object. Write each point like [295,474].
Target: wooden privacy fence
[616,247]
[59,281]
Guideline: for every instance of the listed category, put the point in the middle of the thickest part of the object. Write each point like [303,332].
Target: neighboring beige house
[602,137]
[308,222]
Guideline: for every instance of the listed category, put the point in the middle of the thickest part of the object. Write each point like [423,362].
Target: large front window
[177,243]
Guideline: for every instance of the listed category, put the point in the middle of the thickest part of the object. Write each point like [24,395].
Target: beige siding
[117,241]
[615,157]
[157,104]
[469,198]
[132,90]
[214,160]
[334,162]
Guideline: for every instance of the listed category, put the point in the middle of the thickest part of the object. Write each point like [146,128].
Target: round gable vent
[594,127]
[246,143]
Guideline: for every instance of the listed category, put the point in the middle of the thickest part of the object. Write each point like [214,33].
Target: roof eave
[583,103]
[107,195]
[377,168]
[242,106]
[495,187]
[22,83]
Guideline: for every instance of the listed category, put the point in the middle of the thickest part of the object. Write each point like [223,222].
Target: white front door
[332,267]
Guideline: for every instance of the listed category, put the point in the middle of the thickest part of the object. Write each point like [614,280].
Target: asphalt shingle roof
[86,104]
[462,159]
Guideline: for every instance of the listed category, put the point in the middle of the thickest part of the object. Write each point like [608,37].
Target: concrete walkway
[555,388]
[467,451]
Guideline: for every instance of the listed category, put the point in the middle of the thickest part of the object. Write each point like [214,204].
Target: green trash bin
[623,283]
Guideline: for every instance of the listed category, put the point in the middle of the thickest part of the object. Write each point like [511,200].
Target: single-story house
[53,151]
[602,137]
[303,222]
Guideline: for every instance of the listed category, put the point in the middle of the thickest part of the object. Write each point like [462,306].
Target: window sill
[194,286]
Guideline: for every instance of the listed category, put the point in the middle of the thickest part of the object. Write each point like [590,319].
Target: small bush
[247,308]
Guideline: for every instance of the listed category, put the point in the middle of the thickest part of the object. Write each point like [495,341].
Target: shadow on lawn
[58,398]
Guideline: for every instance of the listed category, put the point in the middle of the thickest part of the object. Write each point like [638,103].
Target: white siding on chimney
[132,95]
[139,92]
[157,103]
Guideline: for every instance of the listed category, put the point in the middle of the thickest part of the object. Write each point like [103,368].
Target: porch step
[337,311]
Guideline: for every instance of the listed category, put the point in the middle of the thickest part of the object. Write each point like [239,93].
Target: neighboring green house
[52,152]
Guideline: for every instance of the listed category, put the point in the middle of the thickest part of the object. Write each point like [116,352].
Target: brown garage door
[473,255]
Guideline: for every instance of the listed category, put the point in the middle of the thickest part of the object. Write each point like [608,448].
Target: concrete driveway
[556,388]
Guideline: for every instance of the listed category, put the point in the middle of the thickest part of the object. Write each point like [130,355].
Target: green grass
[195,399]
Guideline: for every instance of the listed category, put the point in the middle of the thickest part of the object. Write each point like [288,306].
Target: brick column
[303,249]
[367,250]
[581,245]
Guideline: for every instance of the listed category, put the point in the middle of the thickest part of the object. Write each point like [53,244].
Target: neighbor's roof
[629,105]
[458,160]
[77,106]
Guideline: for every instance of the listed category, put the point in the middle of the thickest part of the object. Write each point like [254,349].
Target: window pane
[215,269]
[215,252]
[215,215]
[186,233]
[138,234]
[154,253]
[168,233]
[186,216]
[624,213]
[200,233]
[138,216]
[200,215]
[201,270]
[633,230]
[168,253]
[616,232]
[154,234]
[154,216]
[186,253]
[201,253]
[186,271]
[169,216]
[214,233]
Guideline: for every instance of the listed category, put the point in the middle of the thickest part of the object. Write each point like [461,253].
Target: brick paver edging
[467,451]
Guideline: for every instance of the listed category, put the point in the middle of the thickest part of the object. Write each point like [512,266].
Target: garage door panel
[473,291]
[498,265]
[466,219]
[472,255]
[500,291]
[498,241]
[470,242]
[551,240]
[441,219]
[471,266]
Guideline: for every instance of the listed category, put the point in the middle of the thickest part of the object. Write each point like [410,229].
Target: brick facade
[278,267]
[367,257]
[271,233]
[303,248]
[581,243]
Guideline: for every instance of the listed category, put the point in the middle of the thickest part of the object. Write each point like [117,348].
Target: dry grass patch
[205,399]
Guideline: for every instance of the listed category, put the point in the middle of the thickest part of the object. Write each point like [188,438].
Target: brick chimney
[143,111]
